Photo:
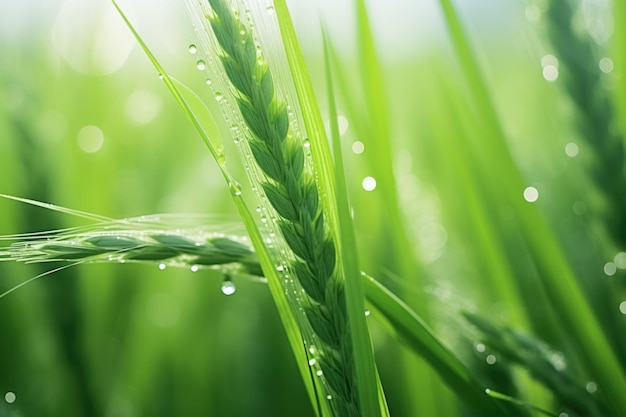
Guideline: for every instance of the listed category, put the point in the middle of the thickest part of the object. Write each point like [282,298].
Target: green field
[476,175]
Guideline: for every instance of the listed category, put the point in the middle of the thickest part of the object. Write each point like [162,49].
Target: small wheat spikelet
[289,185]
[131,241]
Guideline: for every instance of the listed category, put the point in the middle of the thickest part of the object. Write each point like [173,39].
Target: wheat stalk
[292,192]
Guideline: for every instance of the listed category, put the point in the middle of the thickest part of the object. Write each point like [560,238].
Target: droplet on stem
[228,287]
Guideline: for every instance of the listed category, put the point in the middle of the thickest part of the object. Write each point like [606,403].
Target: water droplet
[591,387]
[571,149]
[550,73]
[533,13]
[606,65]
[194,268]
[161,76]
[162,266]
[201,65]
[480,347]
[280,268]
[90,139]
[319,373]
[620,260]
[311,349]
[487,391]
[610,269]
[235,188]
[10,397]
[622,307]
[579,208]
[548,60]
[369,183]
[491,359]
[531,194]
[358,147]
[306,144]
[208,81]
[563,414]
[219,96]
[312,362]
[270,9]
[329,397]
[367,313]
[228,287]
[193,49]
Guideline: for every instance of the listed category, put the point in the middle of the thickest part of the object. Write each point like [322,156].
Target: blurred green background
[85,123]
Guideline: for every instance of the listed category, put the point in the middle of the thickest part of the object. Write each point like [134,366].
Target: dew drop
[162,266]
[235,188]
[329,397]
[10,397]
[90,139]
[620,260]
[219,96]
[480,347]
[208,81]
[312,362]
[533,13]
[550,73]
[491,359]
[622,307]
[319,373]
[571,149]
[193,49]
[194,268]
[270,9]
[161,76]
[610,269]
[280,268]
[591,387]
[579,208]
[606,65]
[563,414]
[228,287]
[201,65]
[549,60]
[531,194]
[358,147]
[369,183]
[367,313]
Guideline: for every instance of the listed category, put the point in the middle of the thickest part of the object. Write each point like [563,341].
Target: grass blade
[407,326]
[371,405]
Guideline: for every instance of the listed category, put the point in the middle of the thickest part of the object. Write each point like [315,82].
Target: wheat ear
[586,86]
[292,192]
[179,248]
